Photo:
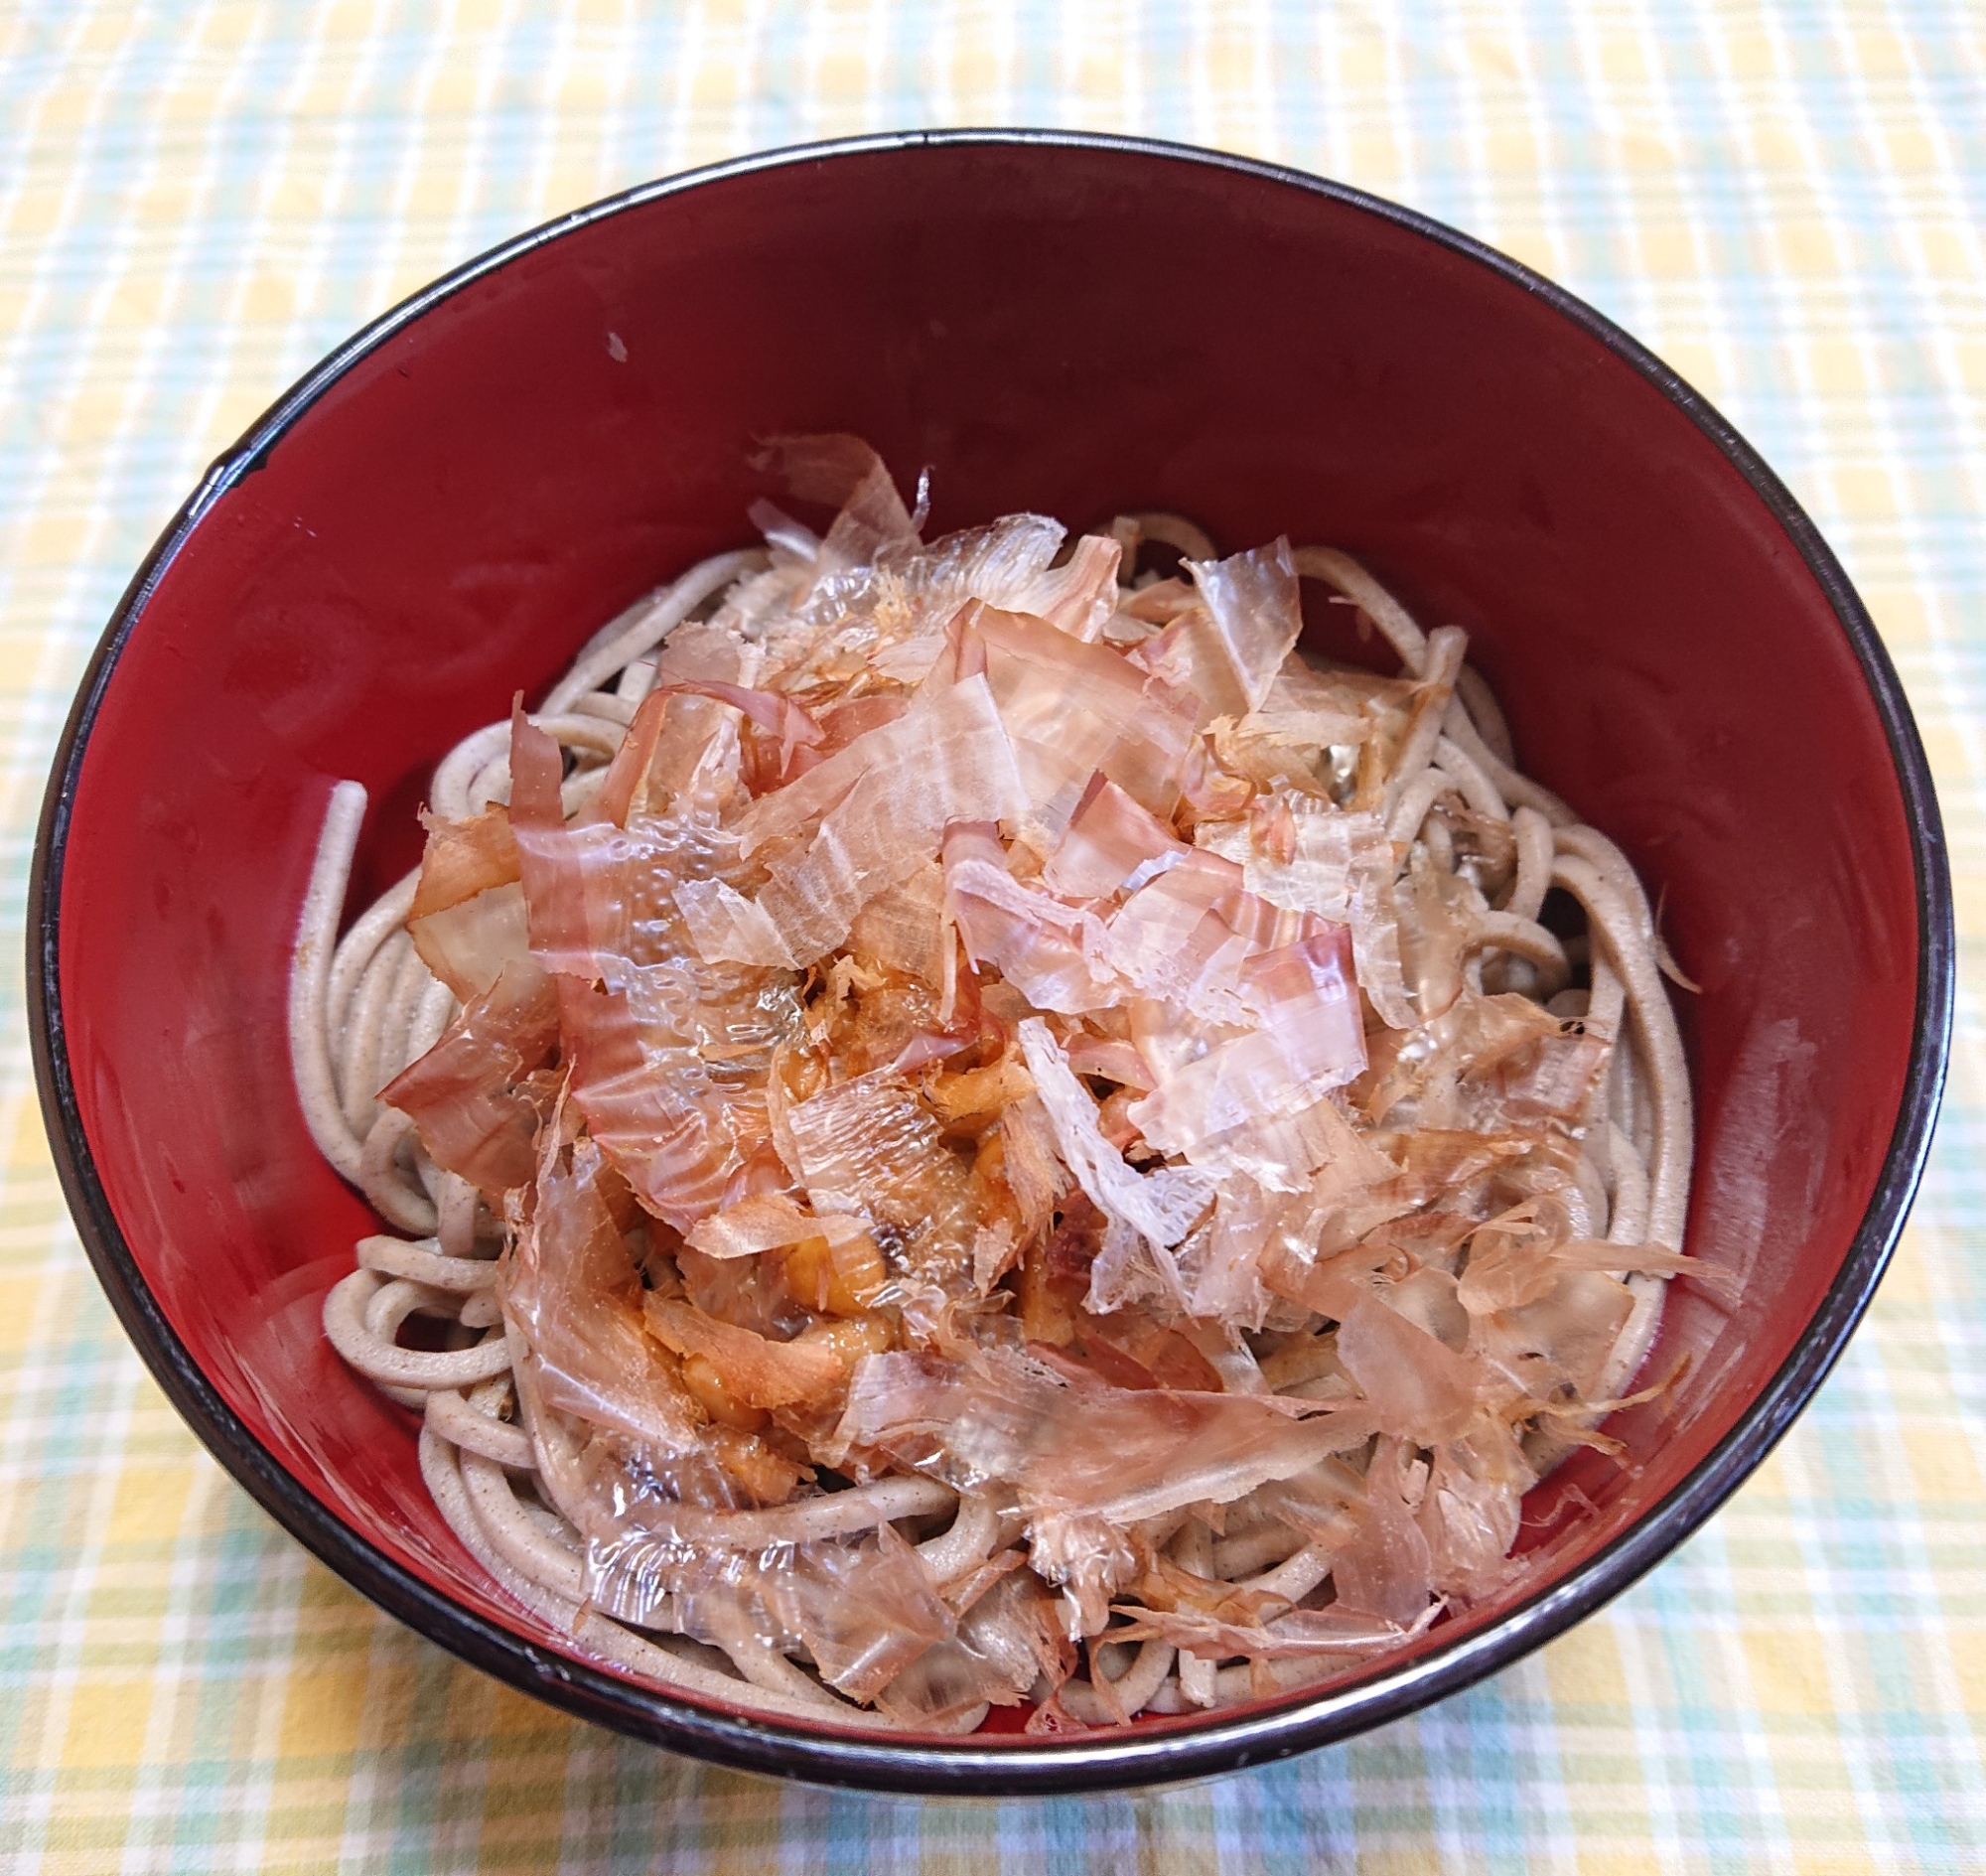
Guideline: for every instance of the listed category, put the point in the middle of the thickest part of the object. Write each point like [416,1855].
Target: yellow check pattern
[1784,197]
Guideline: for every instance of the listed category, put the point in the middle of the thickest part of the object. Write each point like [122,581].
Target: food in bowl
[419,525]
[975,1128]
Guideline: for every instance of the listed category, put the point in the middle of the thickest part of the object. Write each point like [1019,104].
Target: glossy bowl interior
[443,511]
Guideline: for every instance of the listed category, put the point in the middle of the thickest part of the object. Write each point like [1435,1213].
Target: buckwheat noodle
[365,1006]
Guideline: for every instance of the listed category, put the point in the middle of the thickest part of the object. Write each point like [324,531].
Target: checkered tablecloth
[1785,201]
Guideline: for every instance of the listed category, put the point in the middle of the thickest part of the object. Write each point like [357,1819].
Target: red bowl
[442,511]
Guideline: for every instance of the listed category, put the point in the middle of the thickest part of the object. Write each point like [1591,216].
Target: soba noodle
[1276,1574]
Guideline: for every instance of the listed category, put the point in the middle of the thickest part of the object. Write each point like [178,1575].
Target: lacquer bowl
[443,510]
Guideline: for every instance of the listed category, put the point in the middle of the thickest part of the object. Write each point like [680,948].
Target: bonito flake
[1028,1115]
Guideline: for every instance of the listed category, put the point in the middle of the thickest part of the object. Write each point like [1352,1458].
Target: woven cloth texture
[1785,201]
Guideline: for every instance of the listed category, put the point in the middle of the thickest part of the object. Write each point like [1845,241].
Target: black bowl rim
[976,1765]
